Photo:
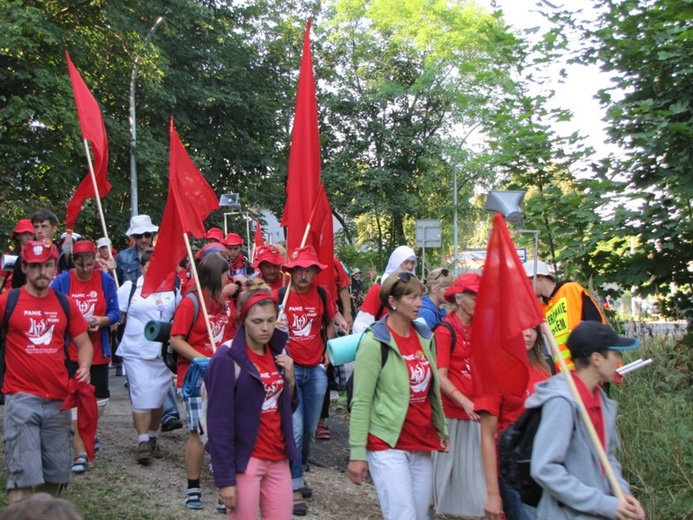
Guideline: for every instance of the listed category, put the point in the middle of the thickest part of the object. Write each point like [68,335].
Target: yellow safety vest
[564,313]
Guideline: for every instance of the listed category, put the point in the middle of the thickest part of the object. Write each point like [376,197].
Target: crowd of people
[255,332]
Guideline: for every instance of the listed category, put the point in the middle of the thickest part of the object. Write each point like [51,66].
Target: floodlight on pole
[508,203]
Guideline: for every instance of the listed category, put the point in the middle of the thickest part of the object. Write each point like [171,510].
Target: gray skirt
[459,487]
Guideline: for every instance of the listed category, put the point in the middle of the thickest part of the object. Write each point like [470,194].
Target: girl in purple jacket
[251,396]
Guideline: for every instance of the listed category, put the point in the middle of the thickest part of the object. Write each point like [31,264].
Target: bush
[656,426]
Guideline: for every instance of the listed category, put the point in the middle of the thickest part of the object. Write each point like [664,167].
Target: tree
[207,65]
[647,47]
[403,79]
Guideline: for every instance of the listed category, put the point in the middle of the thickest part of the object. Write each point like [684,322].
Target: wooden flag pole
[556,352]
[203,306]
[97,196]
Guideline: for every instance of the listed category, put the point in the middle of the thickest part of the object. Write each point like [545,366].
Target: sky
[577,91]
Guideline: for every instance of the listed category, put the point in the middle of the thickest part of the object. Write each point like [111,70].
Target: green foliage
[647,48]
[656,427]
[207,65]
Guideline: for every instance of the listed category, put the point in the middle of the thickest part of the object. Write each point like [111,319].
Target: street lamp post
[133,125]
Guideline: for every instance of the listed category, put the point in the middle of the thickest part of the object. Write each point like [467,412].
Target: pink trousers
[264,487]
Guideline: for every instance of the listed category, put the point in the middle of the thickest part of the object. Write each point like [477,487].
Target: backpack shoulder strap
[132,292]
[323,297]
[12,298]
[64,303]
[453,337]
[196,309]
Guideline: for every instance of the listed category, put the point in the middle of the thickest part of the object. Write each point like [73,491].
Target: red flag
[303,182]
[322,238]
[259,239]
[506,305]
[190,201]
[94,131]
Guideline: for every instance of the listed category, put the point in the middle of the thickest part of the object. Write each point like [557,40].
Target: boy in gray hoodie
[564,460]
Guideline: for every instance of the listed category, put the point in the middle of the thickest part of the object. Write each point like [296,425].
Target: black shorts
[99,378]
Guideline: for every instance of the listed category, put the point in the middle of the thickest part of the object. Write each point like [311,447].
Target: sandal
[193,498]
[79,464]
[322,433]
[300,507]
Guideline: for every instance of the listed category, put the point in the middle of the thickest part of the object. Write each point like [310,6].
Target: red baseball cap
[269,254]
[466,282]
[233,239]
[36,252]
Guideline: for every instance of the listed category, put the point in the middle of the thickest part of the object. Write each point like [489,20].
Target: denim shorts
[38,441]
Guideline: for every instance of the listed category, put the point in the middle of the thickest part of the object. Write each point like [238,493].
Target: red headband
[258,297]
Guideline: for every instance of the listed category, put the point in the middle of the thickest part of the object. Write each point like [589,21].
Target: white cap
[542,269]
[102,242]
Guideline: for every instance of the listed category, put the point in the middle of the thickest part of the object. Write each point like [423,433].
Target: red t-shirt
[372,304]
[418,431]
[457,362]
[270,443]
[34,345]
[91,302]
[508,408]
[220,318]
[304,314]
[593,404]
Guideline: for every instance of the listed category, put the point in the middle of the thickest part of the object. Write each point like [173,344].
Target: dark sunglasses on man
[137,236]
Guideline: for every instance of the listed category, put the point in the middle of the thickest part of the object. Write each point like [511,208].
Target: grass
[656,427]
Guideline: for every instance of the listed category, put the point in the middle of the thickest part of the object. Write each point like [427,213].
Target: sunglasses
[443,272]
[405,276]
[137,236]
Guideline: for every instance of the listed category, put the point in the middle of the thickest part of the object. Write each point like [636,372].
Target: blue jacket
[233,409]
[431,314]
[62,283]
[128,266]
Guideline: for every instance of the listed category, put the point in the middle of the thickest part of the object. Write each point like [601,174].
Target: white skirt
[148,381]
[459,487]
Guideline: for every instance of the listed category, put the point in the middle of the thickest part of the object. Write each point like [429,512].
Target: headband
[257,297]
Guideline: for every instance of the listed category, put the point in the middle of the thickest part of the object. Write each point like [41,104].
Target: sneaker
[171,424]
[221,508]
[144,456]
[155,449]
[193,498]
[97,444]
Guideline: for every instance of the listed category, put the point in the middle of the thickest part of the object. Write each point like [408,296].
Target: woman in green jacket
[397,418]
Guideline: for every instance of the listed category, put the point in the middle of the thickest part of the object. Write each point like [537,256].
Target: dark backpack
[515,449]
[384,352]
[12,298]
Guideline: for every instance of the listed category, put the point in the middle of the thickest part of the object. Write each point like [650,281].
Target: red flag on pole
[303,182]
[306,199]
[190,201]
[94,131]
[259,239]
[506,305]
